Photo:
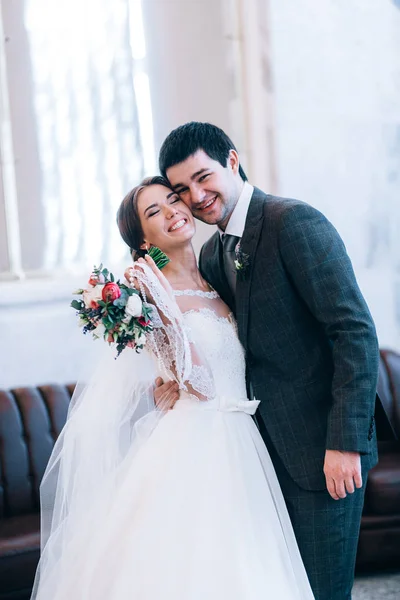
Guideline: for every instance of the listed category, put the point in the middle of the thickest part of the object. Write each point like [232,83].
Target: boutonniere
[242,262]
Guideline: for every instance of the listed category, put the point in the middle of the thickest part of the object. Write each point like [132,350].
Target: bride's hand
[158,273]
[130,276]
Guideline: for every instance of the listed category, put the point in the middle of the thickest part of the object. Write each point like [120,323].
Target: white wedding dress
[196,512]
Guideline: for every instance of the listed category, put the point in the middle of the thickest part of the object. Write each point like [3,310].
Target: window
[92,123]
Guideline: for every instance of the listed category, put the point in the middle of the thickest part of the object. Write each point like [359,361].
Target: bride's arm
[178,356]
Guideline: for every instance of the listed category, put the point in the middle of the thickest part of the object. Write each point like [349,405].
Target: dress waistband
[219,403]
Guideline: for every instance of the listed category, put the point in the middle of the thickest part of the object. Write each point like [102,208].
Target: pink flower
[96,279]
[142,321]
[111,292]
[93,279]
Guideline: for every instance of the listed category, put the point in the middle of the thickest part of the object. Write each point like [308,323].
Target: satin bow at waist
[219,403]
[240,405]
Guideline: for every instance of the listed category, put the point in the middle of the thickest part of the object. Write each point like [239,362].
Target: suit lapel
[217,272]
[248,245]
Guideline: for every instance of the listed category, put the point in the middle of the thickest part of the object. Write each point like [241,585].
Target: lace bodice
[200,293]
[216,338]
[218,341]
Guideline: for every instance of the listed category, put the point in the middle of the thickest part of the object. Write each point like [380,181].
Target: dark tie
[229,243]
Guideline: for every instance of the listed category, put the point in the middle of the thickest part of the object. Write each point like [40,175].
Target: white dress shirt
[237,219]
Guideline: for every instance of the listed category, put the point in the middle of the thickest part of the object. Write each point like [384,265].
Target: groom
[310,342]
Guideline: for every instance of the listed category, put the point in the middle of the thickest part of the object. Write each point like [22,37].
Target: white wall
[4,258]
[40,341]
[187,66]
[336,69]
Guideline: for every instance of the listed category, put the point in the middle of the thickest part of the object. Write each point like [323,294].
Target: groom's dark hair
[186,140]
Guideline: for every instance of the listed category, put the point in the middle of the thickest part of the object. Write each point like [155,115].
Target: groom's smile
[206,206]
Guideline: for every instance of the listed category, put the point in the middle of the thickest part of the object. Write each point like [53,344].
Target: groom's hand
[166,394]
[342,472]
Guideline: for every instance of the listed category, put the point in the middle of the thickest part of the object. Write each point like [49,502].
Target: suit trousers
[326,530]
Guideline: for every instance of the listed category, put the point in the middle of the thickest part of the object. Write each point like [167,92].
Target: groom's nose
[197,194]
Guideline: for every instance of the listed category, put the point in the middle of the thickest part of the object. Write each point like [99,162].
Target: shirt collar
[237,219]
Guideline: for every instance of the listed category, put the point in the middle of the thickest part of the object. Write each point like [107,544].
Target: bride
[172,502]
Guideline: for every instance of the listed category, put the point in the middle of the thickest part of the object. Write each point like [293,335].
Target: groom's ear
[233,161]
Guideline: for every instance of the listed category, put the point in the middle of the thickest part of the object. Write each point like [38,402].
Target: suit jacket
[311,347]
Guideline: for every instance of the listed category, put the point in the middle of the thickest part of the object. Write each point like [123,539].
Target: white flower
[92,296]
[100,330]
[134,306]
[140,339]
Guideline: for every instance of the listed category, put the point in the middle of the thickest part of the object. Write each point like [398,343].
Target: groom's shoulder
[276,207]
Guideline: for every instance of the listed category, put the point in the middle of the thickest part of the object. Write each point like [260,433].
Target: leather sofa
[30,421]
[32,418]
[379,542]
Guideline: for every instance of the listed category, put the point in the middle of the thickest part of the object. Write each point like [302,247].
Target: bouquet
[113,311]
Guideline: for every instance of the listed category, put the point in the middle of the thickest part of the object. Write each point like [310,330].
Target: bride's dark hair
[128,219]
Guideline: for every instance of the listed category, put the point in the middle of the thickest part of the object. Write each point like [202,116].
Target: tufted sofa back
[30,422]
[389,387]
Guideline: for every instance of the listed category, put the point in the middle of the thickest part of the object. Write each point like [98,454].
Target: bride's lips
[177,224]
[207,205]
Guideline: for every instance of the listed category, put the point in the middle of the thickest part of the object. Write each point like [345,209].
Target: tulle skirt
[196,513]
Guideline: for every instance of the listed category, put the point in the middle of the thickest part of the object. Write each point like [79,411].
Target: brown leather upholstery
[391,362]
[32,418]
[379,545]
[30,421]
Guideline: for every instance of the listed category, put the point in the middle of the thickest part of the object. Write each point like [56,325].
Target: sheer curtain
[92,123]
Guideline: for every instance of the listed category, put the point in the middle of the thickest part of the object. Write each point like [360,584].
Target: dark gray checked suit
[312,359]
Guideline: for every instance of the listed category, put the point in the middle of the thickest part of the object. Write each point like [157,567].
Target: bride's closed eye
[156,212]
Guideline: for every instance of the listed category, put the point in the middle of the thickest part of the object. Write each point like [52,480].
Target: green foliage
[146,312]
[77,304]
[122,300]
[159,257]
